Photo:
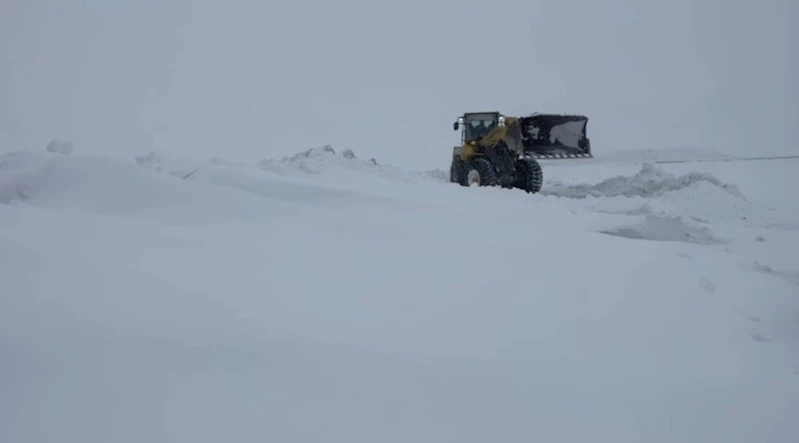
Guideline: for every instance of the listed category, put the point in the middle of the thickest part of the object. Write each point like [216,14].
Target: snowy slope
[323,297]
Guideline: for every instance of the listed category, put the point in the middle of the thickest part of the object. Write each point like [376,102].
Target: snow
[61,147]
[322,297]
[649,181]
[655,155]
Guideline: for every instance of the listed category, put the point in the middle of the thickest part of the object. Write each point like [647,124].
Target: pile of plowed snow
[693,207]
[650,181]
[700,201]
[655,155]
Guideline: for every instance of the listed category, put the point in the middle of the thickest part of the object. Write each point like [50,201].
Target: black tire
[486,175]
[531,177]
[456,172]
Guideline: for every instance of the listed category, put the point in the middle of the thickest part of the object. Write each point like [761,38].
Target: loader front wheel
[531,177]
[457,173]
[481,173]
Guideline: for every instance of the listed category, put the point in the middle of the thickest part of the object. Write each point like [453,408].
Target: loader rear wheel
[531,177]
[481,172]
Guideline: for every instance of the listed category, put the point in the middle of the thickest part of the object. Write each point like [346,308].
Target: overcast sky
[249,79]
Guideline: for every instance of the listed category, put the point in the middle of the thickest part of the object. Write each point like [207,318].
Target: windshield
[479,125]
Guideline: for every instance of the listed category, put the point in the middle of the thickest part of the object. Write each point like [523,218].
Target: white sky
[249,79]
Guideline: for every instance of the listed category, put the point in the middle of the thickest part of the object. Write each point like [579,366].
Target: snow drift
[156,299]
[665,229]
[324,158]
[655,155]
[650,181]
[117,187]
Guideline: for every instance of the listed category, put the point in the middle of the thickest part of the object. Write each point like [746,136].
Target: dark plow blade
[555,136]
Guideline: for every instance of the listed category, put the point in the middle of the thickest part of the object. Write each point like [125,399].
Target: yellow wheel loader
[496,150]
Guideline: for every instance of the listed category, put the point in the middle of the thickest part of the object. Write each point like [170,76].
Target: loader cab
[475,126]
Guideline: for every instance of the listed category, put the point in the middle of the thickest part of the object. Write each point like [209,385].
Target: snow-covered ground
[329,298]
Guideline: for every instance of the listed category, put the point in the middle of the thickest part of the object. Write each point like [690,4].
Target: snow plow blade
[555,136]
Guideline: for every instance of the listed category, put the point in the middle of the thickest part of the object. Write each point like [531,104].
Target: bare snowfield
[326,298]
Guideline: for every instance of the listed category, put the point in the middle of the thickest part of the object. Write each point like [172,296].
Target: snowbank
[655,155]
[693,206]
[650,181]
[63,147]
[181,168]
[290,186]
[320,159]
[117,187]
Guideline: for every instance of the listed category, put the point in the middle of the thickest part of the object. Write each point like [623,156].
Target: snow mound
[297,193]
[306,166]
[665,228]
[261,182]
[323,159]
[24,161]
[17,169]
[655,155]
[88,183]
[62,147]
[158,162]
[117,187]
[650,181]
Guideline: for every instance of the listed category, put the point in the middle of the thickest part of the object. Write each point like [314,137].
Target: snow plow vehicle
[496,150]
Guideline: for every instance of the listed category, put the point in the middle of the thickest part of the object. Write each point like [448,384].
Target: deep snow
[323,297]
